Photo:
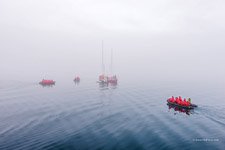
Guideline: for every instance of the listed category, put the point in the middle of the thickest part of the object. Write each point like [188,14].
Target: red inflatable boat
[47,82]
[182,103]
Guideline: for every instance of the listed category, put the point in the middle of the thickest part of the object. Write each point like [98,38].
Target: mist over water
[163,58]
[160,49]
[44,39]
[126,116]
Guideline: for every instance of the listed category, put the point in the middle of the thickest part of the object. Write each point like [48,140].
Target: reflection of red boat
[47,82]
[179,109]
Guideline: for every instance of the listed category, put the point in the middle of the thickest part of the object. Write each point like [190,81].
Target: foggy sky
[163,39]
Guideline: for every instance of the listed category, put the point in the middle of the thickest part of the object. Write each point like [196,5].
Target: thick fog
[151,40]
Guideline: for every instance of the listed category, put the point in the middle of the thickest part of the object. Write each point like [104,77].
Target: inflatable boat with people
[182,103]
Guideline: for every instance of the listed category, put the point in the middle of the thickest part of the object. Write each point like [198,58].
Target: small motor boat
[76,79]
[47,82]
[191,106]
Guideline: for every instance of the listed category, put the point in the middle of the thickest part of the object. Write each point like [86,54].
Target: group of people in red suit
[180,101]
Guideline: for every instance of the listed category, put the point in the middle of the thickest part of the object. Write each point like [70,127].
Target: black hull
[192,106]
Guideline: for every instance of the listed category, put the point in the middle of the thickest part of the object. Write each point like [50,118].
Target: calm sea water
[126,116]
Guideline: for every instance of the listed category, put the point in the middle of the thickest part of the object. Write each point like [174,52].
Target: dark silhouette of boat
[191,106]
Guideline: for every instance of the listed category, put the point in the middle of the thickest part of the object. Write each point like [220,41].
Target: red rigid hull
[47,82]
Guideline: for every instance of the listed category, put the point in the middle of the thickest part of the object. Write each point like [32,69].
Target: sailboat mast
[103,67]
[111,67]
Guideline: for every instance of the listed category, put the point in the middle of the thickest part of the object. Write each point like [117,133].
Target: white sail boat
[112,78]
[103,78]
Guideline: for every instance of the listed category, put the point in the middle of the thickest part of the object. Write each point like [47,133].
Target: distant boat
[76,79]
[47,82]
[112,79]
[103,78]
[191,106]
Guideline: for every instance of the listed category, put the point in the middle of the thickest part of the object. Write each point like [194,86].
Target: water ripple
[87,117]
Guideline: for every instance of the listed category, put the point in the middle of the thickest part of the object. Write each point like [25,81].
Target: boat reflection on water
[113,85]
[180,109]
[76,80]
[47,85]
[107,85]
[103,85]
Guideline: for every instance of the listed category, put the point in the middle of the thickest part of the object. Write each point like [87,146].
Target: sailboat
[112,78]
[103,78]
